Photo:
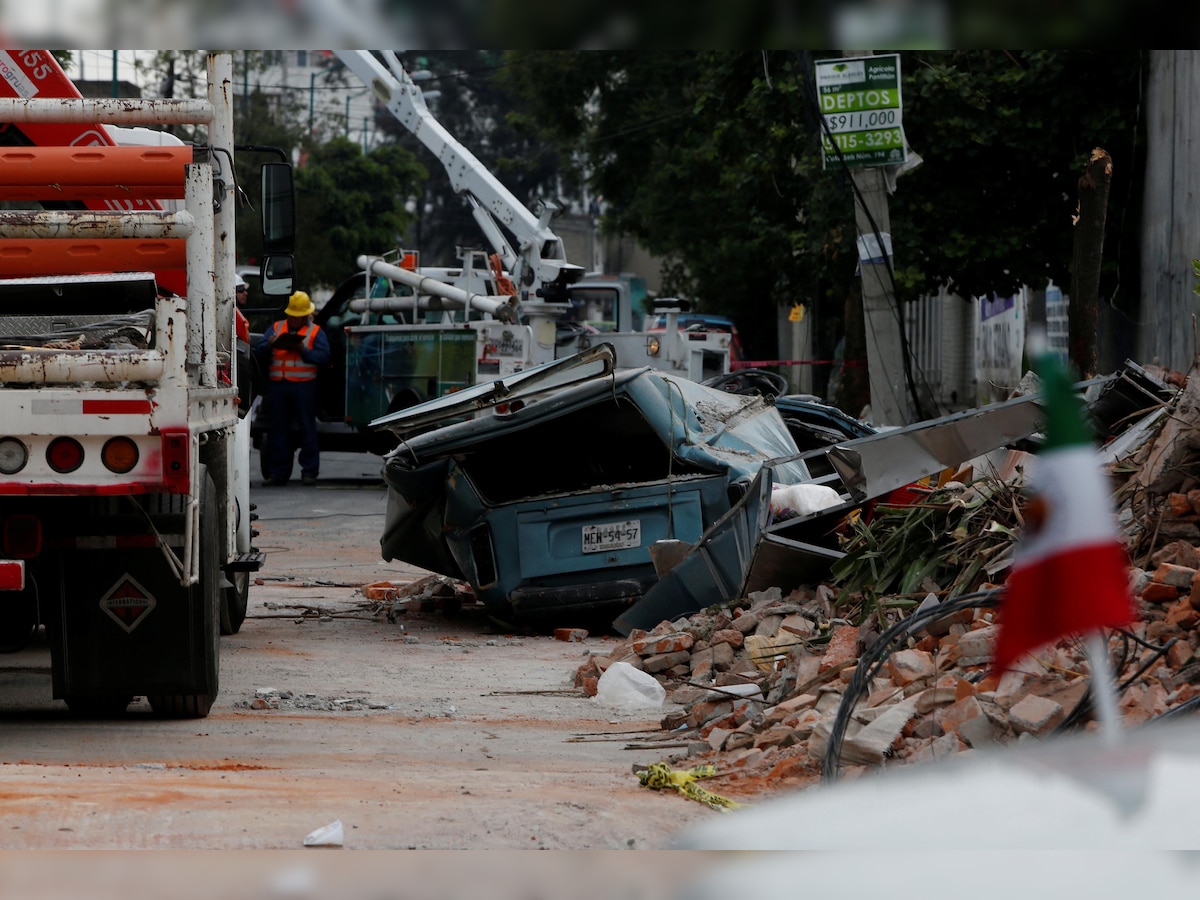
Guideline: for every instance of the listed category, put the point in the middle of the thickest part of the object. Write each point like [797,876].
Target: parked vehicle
[123,457]
[622,459]
[693,322]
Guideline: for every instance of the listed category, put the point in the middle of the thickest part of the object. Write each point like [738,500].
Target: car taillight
[64,454]
[22,537]
[13,456]
[119,455]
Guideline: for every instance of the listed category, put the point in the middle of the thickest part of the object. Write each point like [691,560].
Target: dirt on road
[430,732]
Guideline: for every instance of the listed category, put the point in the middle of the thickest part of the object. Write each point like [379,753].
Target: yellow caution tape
[660,776]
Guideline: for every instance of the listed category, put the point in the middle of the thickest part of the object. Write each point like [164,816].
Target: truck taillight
[64,455]
[119,455]
[175,445]
[22,537]
[13,456]
[12,575]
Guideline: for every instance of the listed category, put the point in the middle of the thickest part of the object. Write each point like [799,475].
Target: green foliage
[479,110]
[349,203]
[948,539]
[711,159]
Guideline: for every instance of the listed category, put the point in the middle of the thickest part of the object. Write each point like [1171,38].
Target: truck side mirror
[276,275]
[278,210]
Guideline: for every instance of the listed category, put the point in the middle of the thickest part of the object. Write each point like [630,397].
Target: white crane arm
[539,262]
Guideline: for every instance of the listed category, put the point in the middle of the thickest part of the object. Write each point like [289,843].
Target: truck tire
[205,597]
[234,601]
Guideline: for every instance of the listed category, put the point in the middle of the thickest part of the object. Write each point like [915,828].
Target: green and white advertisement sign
[860,100]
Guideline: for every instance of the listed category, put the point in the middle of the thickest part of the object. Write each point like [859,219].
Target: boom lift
[497,313]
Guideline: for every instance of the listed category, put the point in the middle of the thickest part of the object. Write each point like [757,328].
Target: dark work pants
[293,402]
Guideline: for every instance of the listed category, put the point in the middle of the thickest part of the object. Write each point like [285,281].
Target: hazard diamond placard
[127,602]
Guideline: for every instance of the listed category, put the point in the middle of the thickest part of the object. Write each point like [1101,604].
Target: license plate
[510,347]
[614,536]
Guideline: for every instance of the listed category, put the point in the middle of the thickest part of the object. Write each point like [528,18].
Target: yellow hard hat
[299,304]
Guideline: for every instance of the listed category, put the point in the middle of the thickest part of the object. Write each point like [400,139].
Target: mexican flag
[1070,572]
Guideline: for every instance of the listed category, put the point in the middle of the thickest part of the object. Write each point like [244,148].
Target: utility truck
[403,333]
[125,519]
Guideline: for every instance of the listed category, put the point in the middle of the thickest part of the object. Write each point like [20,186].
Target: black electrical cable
[875,655]
[1084,707]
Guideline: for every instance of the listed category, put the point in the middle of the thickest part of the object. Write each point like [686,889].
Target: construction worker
[293,349]
[241,291]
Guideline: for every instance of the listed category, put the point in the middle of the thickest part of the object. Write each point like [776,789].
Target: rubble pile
[887,663]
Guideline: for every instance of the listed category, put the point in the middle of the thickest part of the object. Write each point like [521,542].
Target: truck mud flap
[126,626]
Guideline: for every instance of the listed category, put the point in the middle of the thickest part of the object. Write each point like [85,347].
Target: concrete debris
[270,698]
[837,680]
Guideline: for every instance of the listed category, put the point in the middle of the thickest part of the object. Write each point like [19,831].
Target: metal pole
[312,86]
[115,92]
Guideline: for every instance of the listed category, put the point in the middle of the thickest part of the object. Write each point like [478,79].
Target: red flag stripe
[1072,592]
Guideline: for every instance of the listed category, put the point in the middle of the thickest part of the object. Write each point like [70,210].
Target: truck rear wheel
[207,622]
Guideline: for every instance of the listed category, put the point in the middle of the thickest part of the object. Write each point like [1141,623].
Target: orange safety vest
[288,364]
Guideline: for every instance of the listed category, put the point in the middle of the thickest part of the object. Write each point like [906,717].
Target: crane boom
[538,263]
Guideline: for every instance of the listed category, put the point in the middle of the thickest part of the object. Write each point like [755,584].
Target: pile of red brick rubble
[775,690]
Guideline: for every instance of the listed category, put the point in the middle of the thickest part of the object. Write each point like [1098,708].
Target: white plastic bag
[627,687]
[330,835]
[788,500]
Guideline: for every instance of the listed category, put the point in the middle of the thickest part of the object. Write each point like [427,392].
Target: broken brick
[1035,715]
[1158,592]
[907,666]
[842,647]
[1176,576]
[654,644]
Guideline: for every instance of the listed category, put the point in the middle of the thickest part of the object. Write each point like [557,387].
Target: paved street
[427,733]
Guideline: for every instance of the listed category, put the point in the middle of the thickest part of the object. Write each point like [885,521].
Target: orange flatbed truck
[124,451]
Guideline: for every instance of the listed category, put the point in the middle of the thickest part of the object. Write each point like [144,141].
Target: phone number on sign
[867,140]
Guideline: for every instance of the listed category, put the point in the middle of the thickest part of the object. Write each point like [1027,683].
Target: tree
[712,160]
[475,107]
[702,160]
[349,203]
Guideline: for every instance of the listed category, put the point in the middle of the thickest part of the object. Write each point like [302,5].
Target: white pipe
[124,111]
[423,284]
[202,338]
[99,366]
[95,224]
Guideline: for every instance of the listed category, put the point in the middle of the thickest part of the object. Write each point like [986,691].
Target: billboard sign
[861,104]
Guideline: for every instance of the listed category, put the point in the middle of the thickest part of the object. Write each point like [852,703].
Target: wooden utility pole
[1087,255]
[885,348]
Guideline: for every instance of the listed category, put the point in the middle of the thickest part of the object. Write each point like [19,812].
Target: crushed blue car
[545,490]
[579,489]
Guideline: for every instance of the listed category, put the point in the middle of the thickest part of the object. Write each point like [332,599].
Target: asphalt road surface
[430,732]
